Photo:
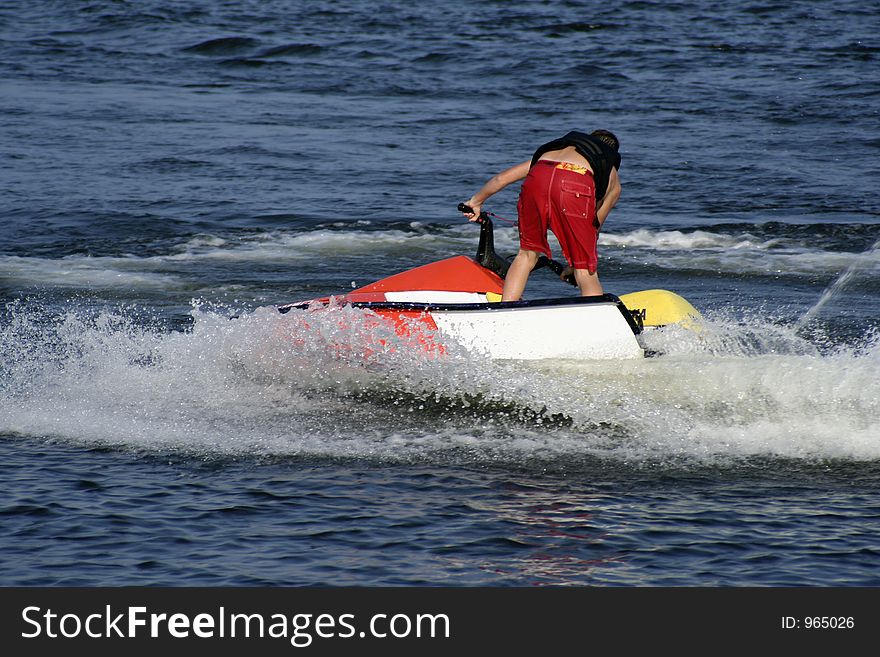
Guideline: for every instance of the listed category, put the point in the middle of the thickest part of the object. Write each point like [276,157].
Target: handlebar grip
[466,209]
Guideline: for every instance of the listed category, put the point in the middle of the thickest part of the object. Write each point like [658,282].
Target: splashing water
[333,385]
[838,285]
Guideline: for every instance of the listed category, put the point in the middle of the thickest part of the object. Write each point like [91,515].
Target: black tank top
[599,154]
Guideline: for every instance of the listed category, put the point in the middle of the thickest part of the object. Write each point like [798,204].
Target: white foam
[671,250]
[675,240]
[332,383]
[744,253]
[157,272]
[85,272]
[285,246]
[815,407]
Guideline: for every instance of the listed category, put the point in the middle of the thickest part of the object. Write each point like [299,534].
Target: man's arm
[611,195]
[494,185]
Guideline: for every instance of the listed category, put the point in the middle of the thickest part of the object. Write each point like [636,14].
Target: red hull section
[458,274]
[362,336]
[415,328]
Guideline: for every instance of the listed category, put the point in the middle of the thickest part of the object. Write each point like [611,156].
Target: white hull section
[595,331]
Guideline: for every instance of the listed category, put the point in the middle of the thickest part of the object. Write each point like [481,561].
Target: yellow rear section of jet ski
[654,308]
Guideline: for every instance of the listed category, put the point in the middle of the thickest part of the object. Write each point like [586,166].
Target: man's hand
[475,209]
[567,274]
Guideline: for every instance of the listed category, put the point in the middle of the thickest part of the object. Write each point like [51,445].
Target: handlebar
[466,209]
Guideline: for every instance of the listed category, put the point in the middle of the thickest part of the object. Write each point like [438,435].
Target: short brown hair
[607,137]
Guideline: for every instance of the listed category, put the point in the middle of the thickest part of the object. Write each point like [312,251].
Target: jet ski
[458,301]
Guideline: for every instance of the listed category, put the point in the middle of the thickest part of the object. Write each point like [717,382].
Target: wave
[248,62]
[677,240]
[332,384]
[86,273]
[670,250]
[742,252]
[168,270]
[223,46]
[557,29]
[292,49]
[835,237]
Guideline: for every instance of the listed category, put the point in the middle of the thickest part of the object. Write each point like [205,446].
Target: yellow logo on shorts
[571,166]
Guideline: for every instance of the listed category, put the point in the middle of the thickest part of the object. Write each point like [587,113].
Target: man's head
[607,137]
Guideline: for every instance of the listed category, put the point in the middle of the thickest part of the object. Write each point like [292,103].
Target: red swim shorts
[560,196]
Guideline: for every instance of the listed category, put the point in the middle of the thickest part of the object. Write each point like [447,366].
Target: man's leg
[518,275]
[588,283]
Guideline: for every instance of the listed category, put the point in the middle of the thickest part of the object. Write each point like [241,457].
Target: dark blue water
[167,166]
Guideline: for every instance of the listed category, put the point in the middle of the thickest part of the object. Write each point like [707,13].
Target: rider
[570,186]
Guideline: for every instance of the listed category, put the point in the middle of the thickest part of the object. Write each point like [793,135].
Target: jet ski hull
[594,328]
